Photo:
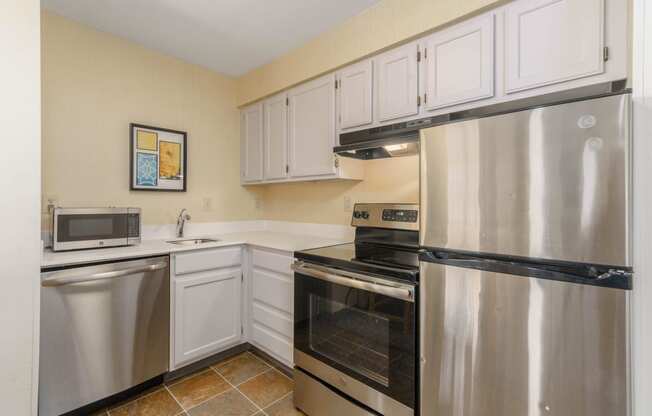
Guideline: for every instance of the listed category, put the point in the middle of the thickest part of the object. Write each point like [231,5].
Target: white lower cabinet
[221,299]
[206,304]
[271,312]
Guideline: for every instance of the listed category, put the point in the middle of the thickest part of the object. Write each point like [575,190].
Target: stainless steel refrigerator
[526,275]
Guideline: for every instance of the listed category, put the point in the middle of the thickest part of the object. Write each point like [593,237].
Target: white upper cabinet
[312,128]
[459,63]
[551,41]
[355,95]
[397,84]
[251,159]
[276,137]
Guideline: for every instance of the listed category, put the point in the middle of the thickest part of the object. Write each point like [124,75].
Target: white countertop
[265,239]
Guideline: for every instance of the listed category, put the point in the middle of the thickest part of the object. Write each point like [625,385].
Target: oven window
[80,227]
[354,338]
[365,335]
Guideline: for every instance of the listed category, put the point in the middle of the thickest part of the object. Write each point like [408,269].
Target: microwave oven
[82,228]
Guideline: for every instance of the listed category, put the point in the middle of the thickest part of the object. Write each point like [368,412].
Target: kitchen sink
[193,241]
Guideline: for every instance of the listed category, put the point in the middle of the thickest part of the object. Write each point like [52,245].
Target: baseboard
[132,392]
[273,361]
[207,362]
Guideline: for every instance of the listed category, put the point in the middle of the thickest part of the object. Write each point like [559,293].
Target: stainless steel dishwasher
[104,329]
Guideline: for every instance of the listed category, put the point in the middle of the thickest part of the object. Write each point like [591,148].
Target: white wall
[642,293]
[20,162]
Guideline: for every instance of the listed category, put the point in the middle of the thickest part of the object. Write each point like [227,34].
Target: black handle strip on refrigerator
[594,275]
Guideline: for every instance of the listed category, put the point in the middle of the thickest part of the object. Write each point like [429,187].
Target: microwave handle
[68,280]
[356,281]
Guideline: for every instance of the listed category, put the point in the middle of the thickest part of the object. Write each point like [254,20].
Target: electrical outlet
[258,203]
[348,206]
[207,204]
[51,201]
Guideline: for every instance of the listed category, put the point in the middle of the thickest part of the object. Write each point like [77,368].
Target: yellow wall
[386,23]
[387,180]
[94,85]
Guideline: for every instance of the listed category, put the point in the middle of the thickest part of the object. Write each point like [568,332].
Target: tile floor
[243,385]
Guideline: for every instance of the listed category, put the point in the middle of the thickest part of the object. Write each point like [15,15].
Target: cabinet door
[550,41]
[312,128]
[459,63]
[397,86]
[276,137]
[251,159]
[206,314]
[355,95]
[272,303]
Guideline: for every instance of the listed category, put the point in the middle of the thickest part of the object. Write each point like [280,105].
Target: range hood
[400,139]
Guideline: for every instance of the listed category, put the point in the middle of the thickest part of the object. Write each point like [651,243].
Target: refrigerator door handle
[614,273]
[583,274]
[452,261]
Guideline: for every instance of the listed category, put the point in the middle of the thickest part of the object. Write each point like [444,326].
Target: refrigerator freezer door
[504,345]
[548,183]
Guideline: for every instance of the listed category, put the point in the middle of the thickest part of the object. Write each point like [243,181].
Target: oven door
[357,333]
[79,228]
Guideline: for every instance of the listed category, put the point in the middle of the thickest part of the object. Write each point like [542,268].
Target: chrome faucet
[181,222]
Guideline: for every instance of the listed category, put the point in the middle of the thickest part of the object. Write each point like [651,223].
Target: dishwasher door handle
[356,281]
[68,280]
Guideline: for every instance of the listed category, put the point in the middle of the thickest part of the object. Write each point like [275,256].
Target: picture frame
[158,159]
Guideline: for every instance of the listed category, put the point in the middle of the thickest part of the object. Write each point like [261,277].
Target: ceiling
[228,36]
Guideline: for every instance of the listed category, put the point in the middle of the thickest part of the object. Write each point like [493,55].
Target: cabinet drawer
[274,289]
[273,319]
[272,343]
[197,261]
[272,261]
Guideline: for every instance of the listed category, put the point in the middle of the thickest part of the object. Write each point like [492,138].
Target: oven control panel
[401,215]
[396,216]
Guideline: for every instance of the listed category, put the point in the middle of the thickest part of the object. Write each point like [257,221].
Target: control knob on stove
[356,214]
[365,215]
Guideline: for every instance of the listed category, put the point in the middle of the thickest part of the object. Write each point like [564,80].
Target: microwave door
[90,228]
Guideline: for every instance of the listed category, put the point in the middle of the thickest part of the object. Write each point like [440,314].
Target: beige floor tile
[283,407]
[159,403]
[231,403]
[197,388]
[241,368]
[266,388]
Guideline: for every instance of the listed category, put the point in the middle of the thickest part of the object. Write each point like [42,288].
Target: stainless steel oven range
[355,318]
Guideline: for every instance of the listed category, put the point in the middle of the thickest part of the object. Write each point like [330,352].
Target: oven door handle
[356,281]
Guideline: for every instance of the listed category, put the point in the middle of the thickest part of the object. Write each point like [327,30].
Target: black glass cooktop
[383,260]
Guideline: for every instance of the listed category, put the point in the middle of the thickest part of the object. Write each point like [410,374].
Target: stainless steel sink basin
[193,241]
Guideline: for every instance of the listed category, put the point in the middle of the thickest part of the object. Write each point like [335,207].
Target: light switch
[347,204]
[207,204]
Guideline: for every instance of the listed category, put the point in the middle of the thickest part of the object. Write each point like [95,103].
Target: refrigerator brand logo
[586,122]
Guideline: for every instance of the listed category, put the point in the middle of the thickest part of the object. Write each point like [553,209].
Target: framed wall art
[158,159]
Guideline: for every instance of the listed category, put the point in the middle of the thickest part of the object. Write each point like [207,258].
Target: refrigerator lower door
[497,344]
